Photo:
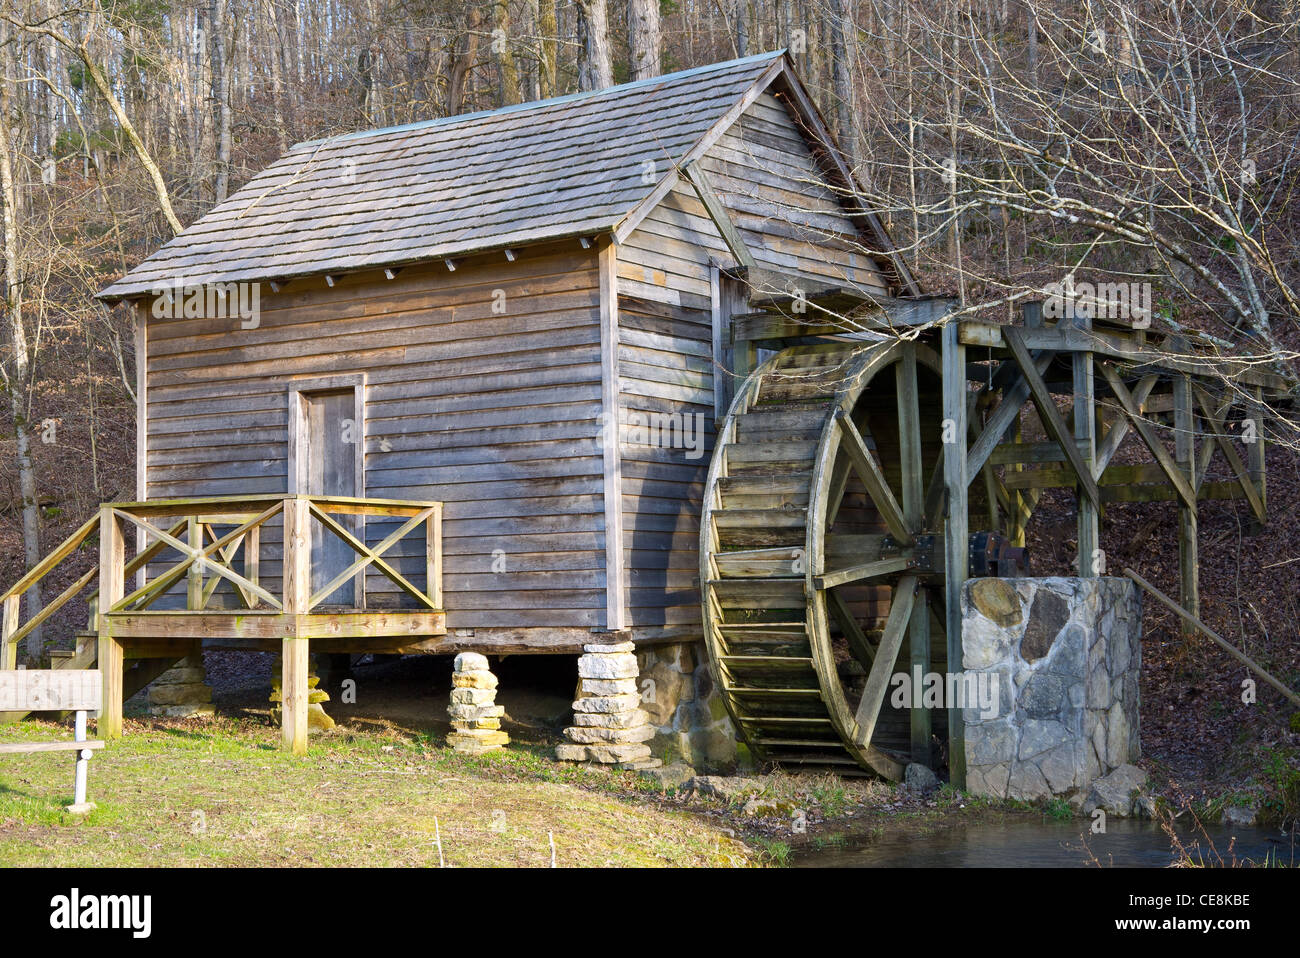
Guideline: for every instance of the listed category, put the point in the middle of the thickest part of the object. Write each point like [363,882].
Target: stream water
[1126,843]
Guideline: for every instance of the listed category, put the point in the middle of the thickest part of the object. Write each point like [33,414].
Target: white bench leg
[80,805]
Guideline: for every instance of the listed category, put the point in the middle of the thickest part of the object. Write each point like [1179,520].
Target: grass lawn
[222,793]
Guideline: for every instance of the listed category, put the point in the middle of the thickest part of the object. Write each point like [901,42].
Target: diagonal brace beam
[192,556]
[1013,398]
[1217,429]
[1116,434]
[1149,438]
[1051,416]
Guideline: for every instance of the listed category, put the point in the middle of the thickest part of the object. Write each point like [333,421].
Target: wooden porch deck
[205,543]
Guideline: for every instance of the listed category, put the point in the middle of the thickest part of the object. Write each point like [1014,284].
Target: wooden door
[328,462]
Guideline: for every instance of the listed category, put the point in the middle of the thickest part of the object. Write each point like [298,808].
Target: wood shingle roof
[570,166]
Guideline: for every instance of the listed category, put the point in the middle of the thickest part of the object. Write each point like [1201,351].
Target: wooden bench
[42,690]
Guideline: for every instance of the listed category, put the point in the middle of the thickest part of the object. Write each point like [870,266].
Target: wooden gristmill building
[474,383]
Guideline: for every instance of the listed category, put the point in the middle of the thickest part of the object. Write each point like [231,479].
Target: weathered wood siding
[493,412]
[790,218]
[666,377]
[792,222]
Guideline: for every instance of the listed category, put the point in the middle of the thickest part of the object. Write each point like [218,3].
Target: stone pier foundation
[1052,666]
[316,696]
[609,725]
[690,720]
[182,691]
[475,716]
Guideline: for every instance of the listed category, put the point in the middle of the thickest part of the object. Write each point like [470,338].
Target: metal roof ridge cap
[537,104]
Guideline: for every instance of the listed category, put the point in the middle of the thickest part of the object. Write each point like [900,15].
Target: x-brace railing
[193,555]
[367,556]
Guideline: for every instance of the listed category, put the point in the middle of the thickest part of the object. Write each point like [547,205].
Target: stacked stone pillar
[475,716]
[316,697]
[182,691]
[609,725]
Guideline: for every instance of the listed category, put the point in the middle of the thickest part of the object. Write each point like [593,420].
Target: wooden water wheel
[818,556]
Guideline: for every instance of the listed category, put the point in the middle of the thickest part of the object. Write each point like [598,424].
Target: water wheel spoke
[839,485]
[909,438]
[900,614]
[920,726]
[859,644]
[935,505]
[864,570]
[882,497]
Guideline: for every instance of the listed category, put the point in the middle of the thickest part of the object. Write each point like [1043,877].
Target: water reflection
[1126,843]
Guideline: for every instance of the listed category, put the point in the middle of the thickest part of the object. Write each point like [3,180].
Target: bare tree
[81,47]
[1132,134]
[462,52]
[548,48]
[844,123]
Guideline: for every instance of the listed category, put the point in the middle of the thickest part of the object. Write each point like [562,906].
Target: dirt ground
[410,693]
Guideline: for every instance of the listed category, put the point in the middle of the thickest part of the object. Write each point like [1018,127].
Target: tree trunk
[1031,37]
[17,380]
[643,38]
[54,77]
[741,17]
[840,79]
[274,57]
[786,13]
[219,22]
[595,71]
[507,72]
[463,52]
[547,64]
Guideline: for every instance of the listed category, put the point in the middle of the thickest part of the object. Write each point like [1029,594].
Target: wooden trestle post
[913,485]
[1185,457]
[956,532]
[293,649]
[112,587]
[1085,437]
[1255,455]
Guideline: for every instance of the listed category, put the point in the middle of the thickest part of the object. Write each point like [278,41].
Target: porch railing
[208,557]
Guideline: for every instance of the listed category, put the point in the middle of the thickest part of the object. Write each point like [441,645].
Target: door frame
[297,467]
[298,391]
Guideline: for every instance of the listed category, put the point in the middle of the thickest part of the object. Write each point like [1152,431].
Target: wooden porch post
[1185,456]
[8,648]
[9,651]
[293,688]
[293,649]
[112,587]
[194,578]
[956,534]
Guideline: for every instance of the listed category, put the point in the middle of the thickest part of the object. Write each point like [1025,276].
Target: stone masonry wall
[1065,653]
[691,723]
